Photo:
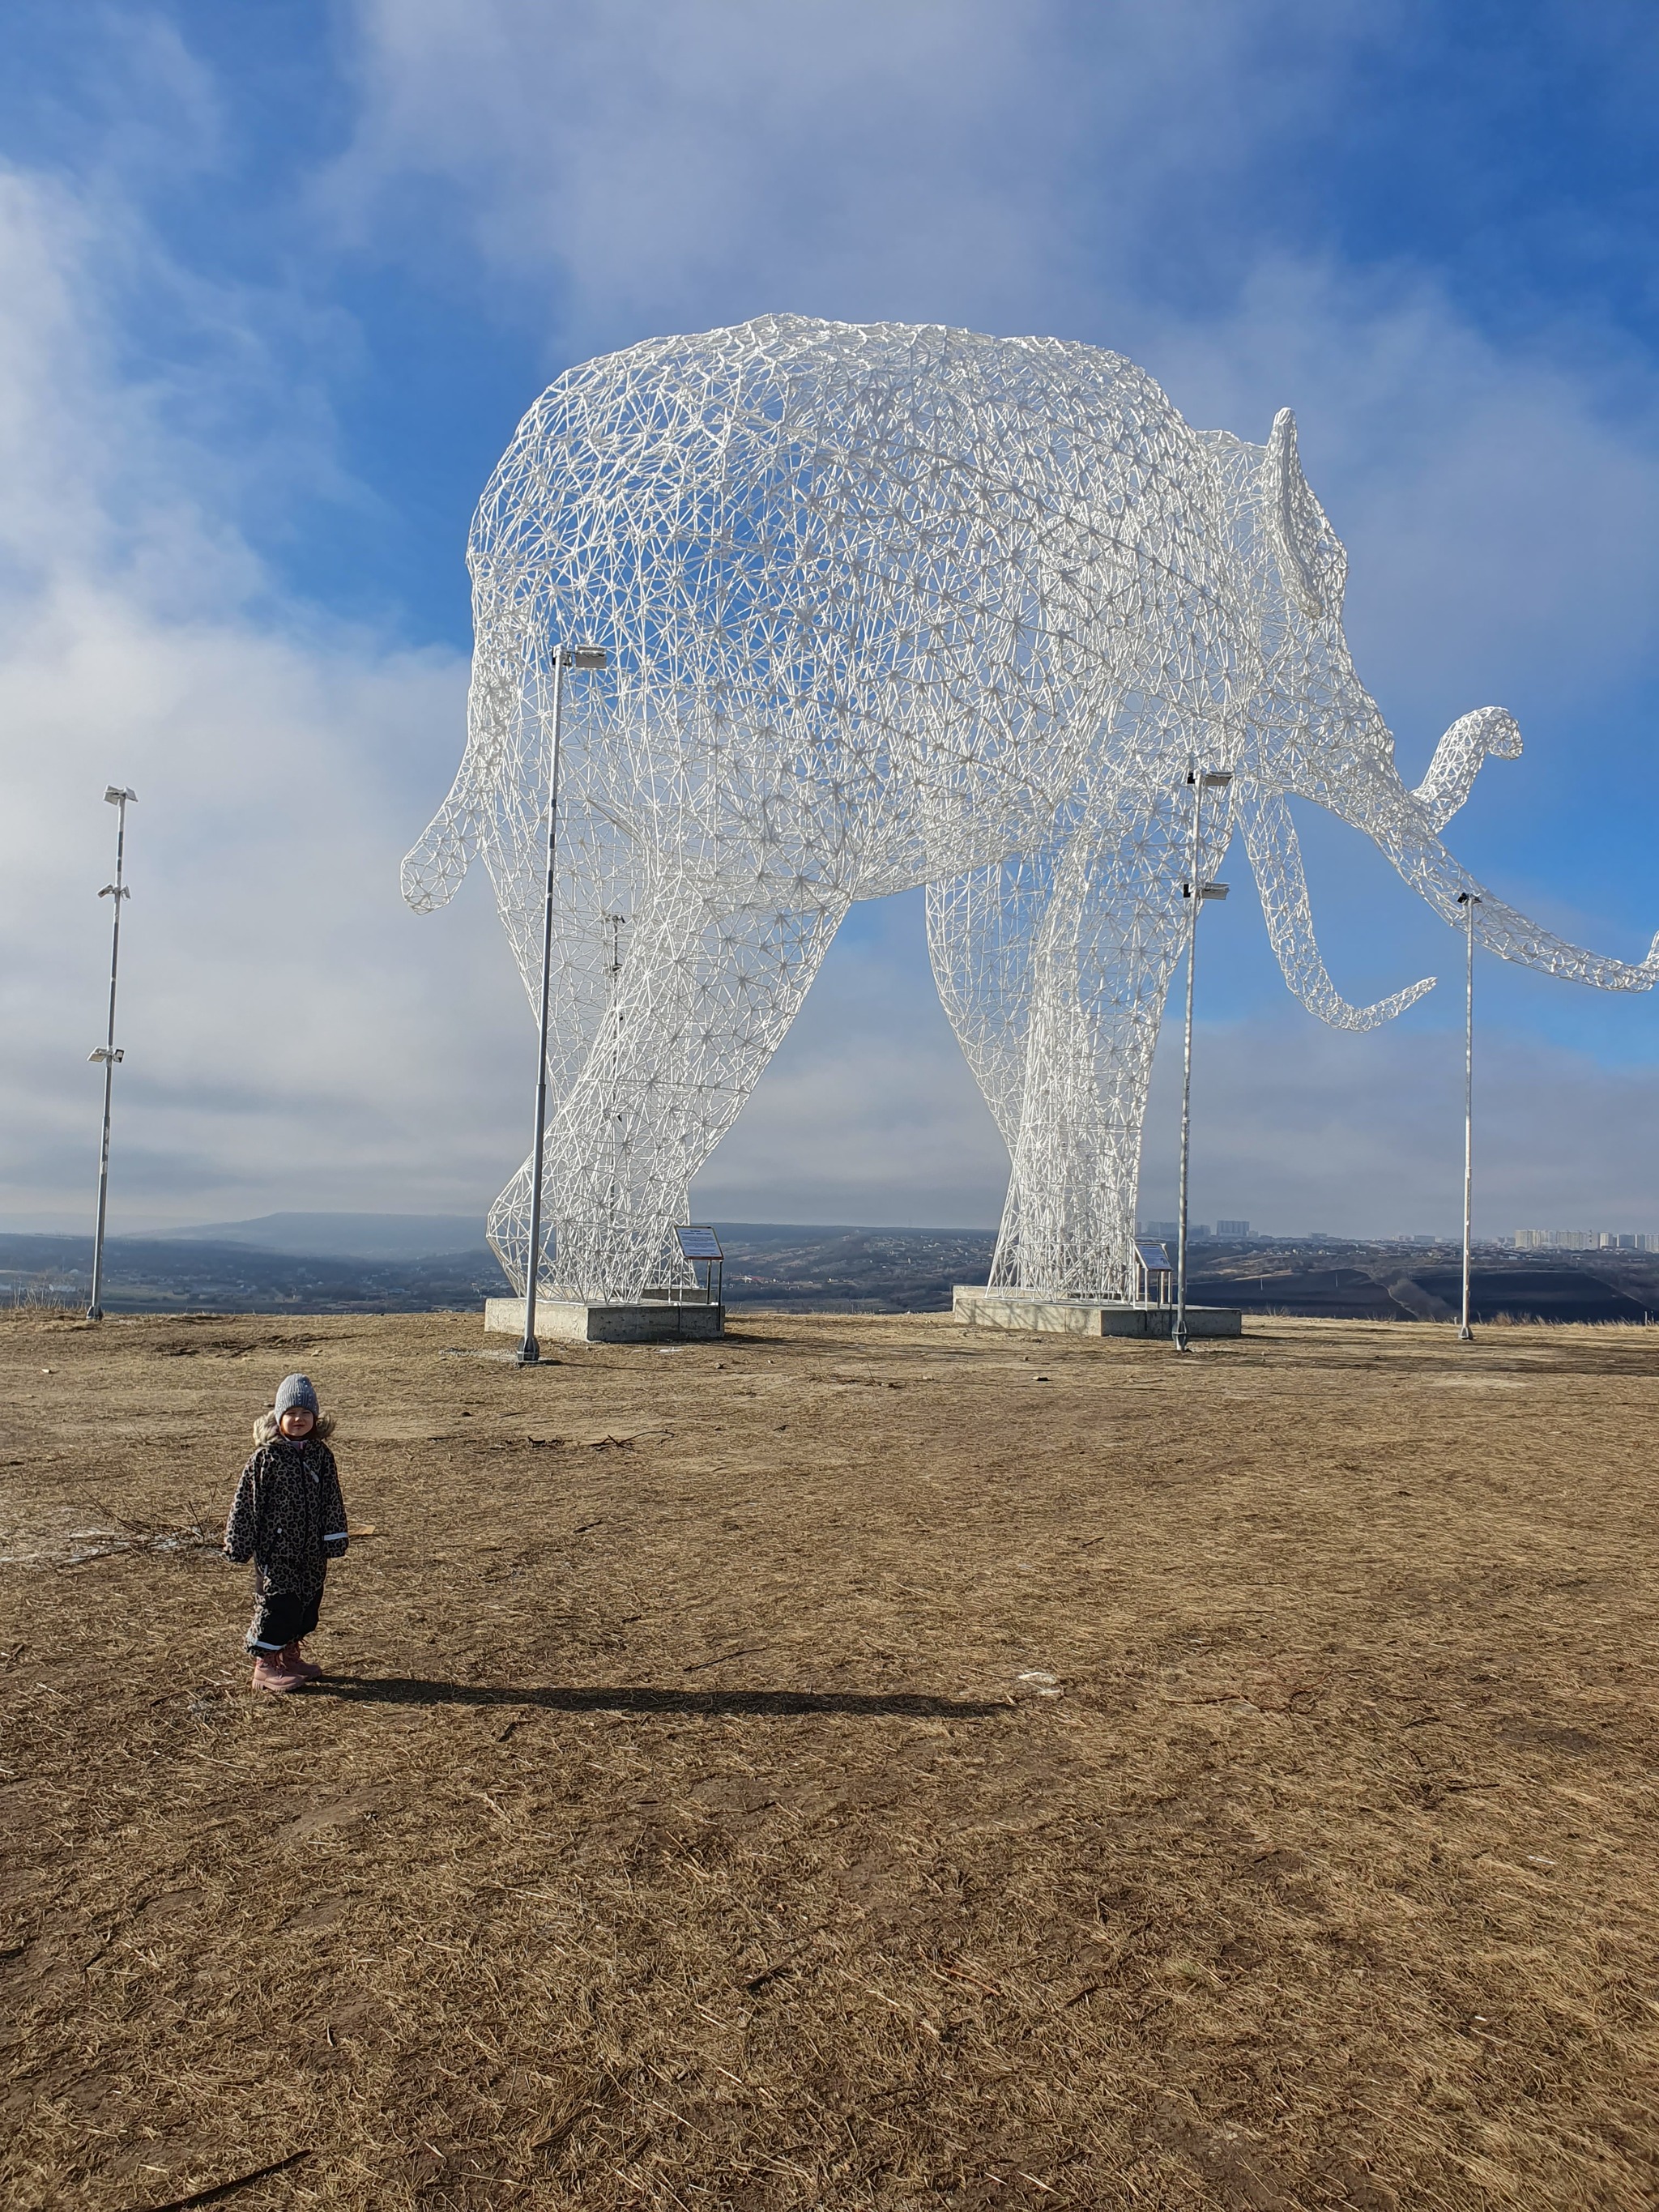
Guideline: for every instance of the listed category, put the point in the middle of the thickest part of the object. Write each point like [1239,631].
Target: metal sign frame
[700,1247]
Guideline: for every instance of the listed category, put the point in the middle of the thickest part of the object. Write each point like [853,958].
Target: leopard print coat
[288,1515]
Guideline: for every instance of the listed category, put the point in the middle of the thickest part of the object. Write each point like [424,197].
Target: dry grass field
[853,1765]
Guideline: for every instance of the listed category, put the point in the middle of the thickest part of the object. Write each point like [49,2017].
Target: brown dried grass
[677,1828]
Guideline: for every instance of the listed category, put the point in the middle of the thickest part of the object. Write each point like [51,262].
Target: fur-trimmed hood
[265,1431]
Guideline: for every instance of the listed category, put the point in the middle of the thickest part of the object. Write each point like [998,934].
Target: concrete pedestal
[569,1321]
[983,1308]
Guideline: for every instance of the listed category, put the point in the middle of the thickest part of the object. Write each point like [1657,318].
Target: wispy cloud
[285,1029]
[868,1113]
[1298,1127]
[591,172]
[1116,174]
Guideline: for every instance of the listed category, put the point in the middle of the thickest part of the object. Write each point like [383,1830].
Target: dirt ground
[857,1764]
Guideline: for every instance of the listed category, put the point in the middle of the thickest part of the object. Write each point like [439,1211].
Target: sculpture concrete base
[983,1308]
[569,1321]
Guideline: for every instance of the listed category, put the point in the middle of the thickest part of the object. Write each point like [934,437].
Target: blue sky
[277,283]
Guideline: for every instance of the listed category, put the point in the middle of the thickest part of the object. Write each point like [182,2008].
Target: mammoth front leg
[701,1002]
[1054,971]
[1108,945]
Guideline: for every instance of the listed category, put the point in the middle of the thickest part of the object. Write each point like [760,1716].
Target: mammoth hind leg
[1053,971]
[701,1003]
[982,933]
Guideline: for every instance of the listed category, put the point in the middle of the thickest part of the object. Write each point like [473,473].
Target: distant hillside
[177,1275]
[827,1270]
[1401,1282]
[822,1269]
[344,1235]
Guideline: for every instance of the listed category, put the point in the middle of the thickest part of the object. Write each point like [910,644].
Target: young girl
[289,1519]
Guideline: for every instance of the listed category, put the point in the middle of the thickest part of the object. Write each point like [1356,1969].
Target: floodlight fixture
[118,796]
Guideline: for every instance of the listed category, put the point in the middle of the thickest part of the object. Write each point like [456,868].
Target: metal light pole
[1468,901]
[109,1052]
[1198,891]
[564,656]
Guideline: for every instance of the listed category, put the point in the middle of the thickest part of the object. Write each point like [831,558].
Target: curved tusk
[1432,872]
[1275,854]
[1382,808]
[1459,755]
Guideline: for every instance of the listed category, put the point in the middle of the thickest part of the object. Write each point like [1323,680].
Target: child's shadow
[763,1705]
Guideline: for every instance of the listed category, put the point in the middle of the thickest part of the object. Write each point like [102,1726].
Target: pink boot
[271,1671]
[296,1662]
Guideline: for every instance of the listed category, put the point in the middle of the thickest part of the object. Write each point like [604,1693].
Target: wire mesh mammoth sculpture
[887,606]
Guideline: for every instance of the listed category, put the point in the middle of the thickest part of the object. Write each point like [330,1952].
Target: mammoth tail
[1275,854]
[434,867]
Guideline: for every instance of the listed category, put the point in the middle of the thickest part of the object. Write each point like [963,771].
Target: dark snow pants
[281,1617]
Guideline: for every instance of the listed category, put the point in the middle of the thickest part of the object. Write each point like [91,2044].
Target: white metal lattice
[886,606]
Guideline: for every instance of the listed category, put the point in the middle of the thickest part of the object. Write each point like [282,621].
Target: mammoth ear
[1311,561]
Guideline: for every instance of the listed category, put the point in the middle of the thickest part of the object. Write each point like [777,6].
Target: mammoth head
[1315,733]
[1312,564]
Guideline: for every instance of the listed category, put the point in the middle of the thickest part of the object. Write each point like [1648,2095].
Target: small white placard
[699,1244]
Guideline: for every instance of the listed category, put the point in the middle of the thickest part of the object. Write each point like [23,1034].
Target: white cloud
[620,169]
[1500,504]
[613,168]
[957,160]
[290,1027]
[1298,1127]
[701,163]
[284,1018]
[868,1114]
[605,169]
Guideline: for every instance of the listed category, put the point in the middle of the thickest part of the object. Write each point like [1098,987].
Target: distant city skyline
[1585,1240]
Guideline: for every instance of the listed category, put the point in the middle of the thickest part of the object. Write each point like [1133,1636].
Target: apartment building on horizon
[1584,1240]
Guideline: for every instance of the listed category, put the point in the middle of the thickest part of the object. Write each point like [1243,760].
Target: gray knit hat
[296,1393]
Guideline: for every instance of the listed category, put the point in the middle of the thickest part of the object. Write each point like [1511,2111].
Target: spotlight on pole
[109,1052]
[1199,783]
[564,656]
